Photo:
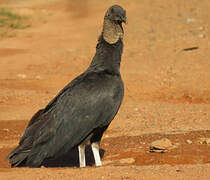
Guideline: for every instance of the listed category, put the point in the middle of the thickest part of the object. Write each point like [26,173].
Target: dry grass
[10,21]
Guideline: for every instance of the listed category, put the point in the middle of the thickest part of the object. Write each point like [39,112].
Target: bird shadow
[71,159]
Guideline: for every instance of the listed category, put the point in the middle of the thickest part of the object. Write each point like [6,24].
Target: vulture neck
[112,32]
[109,49]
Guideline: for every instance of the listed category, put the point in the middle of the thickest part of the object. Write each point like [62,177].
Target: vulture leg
[81,149]
[95,149]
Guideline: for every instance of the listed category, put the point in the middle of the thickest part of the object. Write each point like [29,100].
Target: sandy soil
[167,88]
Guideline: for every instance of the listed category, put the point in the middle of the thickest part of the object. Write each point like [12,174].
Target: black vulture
[83,110]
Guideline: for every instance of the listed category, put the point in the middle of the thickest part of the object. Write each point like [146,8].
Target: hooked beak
[124,19]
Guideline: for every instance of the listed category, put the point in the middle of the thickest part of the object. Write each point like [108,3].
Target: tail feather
[21,155]
[18,156]
[18,160]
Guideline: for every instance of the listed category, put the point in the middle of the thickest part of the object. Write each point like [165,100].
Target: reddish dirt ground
[167,89]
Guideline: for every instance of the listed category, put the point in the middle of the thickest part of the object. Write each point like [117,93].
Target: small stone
[204,140]
[175,145]
[127,161]
[38,77]
[5,129]
[201,36]
[22,76]
[189,20]
[161,145]
[189,141]
[201,28]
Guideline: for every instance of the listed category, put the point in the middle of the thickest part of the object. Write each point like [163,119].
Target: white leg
[95,149]
[81,149]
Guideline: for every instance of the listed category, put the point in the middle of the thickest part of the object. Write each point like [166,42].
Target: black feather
[82,110]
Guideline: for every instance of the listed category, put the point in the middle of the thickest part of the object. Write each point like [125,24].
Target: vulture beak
[124,19]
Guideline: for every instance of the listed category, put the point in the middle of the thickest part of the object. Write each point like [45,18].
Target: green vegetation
[10,21]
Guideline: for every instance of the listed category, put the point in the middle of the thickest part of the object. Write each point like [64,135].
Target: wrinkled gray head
[112,28]
[116,14]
